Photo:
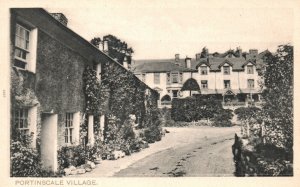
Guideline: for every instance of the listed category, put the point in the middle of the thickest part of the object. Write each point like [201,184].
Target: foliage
[153,123]
[250,118]
[204,53]
[278,96]
[25,161]
[190,85]
[94,92]
[197,108]
[222,118]
[117,49]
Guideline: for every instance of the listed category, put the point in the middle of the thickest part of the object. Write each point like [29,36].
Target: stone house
[231,76]
[47,64]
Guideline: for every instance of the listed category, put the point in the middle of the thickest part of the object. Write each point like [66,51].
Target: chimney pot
[188,62]
[60,17]
[105,46]
[177,57]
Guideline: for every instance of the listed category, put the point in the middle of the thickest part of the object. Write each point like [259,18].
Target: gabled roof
[252,61]
[205,62]
[226,61]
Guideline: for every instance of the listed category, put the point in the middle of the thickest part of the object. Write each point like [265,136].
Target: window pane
[20,64]
[22,32]
[71,135]
[18,30]
[27,35]
[27,45]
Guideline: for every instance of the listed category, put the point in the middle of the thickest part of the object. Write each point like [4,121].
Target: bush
[153,129]
[24,160]
[195,108]
[223,118]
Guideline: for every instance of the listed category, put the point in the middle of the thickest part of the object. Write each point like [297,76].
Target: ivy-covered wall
[59,83]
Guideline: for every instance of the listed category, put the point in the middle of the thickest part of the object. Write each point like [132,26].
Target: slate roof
[160,66]
[214,63]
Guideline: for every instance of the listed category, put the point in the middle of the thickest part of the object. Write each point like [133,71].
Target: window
[21,120]
[69,128]
[174,78]
[174,93]
[203,70]
[226,84]
[250,69]
[204,84]
[250,83]
[156,78]
[22,46]
[226,70]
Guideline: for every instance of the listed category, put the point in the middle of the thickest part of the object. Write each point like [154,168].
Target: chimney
[198,56]
[188,62]
[60,17]
[105,46]
[125,62]
[239,51]
[176,57]
[253,51]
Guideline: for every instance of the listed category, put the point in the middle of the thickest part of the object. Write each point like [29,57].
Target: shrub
[223,118]
[24,160]
[195,108]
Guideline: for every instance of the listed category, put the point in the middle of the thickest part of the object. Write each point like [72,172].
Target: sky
[161,29]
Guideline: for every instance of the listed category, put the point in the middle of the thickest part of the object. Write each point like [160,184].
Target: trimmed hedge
[201,107]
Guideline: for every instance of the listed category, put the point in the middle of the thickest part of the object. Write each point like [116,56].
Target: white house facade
[232,77]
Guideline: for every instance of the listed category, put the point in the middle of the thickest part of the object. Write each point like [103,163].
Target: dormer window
[203,70]
[250,69]
[226,70]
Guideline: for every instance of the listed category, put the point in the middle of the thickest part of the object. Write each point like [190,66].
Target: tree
[117,49]
[278,96]
[96,41]
[248,116]
[190,85]
[204,53]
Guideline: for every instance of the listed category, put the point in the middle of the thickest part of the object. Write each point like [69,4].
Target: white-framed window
[174,78]
[250,83]
[226,70]
[22,38]
[226,84]
[204,84]
[21,121]
[203,70]
[69,128]
[156,78]
[250,69]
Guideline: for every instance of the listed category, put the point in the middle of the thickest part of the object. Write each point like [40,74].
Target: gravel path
[193,151]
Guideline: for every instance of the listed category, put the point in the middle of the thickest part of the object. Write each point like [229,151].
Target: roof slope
[160,66]
[166,65]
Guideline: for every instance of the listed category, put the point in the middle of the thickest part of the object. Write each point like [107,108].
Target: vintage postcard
[111,93]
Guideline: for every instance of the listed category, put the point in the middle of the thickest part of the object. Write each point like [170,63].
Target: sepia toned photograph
[163,89]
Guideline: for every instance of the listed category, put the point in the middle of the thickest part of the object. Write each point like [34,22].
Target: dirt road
[198,151]
[209,156]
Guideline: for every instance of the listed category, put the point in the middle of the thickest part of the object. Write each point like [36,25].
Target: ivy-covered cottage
[232,76]
[63,88]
